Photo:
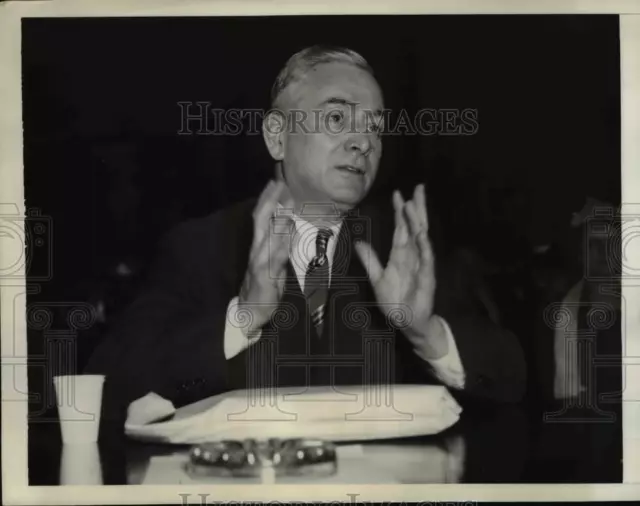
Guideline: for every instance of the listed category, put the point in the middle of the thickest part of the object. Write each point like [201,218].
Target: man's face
[332,146]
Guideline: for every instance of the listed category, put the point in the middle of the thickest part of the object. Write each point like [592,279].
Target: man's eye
[336,116]
[375,128]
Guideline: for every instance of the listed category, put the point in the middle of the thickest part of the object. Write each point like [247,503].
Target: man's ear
[273,132]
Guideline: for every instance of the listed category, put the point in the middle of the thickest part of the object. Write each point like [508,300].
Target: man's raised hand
[407,283]
[264,278]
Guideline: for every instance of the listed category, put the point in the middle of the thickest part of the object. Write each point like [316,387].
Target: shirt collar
[303,224]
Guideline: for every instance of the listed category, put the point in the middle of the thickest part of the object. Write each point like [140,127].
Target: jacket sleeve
[166,342]
[492,357]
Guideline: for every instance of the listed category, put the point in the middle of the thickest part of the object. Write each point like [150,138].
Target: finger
[424,247]
[285,197]
[401,233]
[258,212]
[398,205]
[421,205]
[281,249]
[272,246]
[369,260]
[277,265]
[272,202]
[286,208]
[264,196]
[280,235]
[265,212]
[282,209]
[413,219]
[282,213]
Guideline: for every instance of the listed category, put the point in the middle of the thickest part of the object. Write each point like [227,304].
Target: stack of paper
[337,414]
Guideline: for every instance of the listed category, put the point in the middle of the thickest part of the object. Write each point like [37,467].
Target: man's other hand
[405,288]
[264,279]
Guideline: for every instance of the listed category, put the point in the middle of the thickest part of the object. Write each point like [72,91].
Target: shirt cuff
[235,337]
[449,368]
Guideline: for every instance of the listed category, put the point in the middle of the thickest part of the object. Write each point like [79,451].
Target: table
[498,444]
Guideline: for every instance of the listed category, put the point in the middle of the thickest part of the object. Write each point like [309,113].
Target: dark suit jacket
[170,340]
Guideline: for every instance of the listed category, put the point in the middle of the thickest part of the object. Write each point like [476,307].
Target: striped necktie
[316,284]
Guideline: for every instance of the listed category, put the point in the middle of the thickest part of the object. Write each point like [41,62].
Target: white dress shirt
[448,369]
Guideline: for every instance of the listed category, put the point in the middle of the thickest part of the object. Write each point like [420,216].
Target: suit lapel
[352,310]
[351,313]
[290,323]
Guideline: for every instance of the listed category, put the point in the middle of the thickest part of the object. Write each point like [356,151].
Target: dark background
[106,168]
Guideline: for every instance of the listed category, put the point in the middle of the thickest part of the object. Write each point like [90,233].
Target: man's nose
[359,142]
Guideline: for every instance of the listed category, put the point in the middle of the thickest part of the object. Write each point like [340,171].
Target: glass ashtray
[251,457]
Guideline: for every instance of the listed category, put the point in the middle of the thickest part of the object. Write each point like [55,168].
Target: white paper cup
[79,402]
[80,465]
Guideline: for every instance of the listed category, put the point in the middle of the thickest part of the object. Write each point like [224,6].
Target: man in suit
[307,286]
[576,353]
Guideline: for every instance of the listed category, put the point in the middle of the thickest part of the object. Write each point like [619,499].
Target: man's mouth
[352,168]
